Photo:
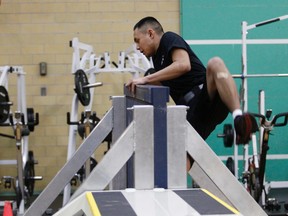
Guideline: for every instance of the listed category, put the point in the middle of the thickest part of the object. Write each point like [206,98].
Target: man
[209,92]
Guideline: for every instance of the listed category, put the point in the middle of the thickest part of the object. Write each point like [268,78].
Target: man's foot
[244,126]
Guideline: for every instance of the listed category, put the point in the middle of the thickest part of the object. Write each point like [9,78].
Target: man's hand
[131,84]
[244,125]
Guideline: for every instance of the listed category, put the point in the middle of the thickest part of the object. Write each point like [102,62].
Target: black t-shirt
[180,85]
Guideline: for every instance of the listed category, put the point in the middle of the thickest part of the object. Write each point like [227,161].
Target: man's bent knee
[216,64]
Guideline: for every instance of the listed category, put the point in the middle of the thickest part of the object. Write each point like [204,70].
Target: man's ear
[151,33]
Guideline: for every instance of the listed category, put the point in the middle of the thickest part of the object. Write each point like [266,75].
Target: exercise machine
[22,123]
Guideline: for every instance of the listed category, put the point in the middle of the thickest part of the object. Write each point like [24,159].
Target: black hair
[151,22]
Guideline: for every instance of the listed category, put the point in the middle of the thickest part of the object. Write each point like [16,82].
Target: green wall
[220,20]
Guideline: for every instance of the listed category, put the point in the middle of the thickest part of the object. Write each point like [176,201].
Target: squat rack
[244,76]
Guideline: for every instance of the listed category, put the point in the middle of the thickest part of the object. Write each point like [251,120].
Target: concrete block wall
[34,31]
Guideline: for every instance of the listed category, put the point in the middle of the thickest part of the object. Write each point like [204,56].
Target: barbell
[82,87]
[258,75]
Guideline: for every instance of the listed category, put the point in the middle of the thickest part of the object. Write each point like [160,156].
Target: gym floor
[280,194]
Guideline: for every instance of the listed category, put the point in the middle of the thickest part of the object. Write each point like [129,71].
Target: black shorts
[205,114]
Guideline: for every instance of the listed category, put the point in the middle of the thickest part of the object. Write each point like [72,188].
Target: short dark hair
[151,22]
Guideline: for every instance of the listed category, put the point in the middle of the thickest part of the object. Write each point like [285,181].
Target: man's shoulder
[171,34]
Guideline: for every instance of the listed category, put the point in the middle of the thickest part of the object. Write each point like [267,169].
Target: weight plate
[228,132]
[29,173]
[230,165]
[30,119]
[4,104]
[83,94]
[18,194]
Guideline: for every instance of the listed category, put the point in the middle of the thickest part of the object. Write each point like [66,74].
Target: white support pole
[244,66]
[107,60]
[261,111]
[244,90]
[22,107]
[261,132]
[121,60]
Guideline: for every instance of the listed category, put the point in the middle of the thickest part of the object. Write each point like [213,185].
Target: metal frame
[104,172]
[245,29]
[138,141]
[244,75]
[210,173]
[21,102]
[256,155]
[84,58]
[158,96]
[22,157]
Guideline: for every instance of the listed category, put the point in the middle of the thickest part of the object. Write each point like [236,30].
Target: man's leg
[220,80]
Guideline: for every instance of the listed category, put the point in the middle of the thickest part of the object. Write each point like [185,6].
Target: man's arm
[181,65]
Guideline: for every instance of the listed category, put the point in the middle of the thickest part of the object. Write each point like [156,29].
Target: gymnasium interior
[75,141]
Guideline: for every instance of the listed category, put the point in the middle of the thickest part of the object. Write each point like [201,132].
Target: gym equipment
[22,122]
[86,65]
[230,165]
[31,121]
[258,75]
[256,180]
[245,28]
[244,75]
[85,126]
[25,180]
[82,87]
[29,173]
[253,175]
[272,204]
[158,97]
[138,140]
[4,104]
[228,135]
[244,86]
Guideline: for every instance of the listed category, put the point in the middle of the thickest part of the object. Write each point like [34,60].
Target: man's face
[144,41]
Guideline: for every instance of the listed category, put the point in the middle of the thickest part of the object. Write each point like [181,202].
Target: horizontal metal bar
[267,22]
[269,157]
[7,135]
[236,41]
[8,162]
[278,184]
[92,85]
[258,75]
